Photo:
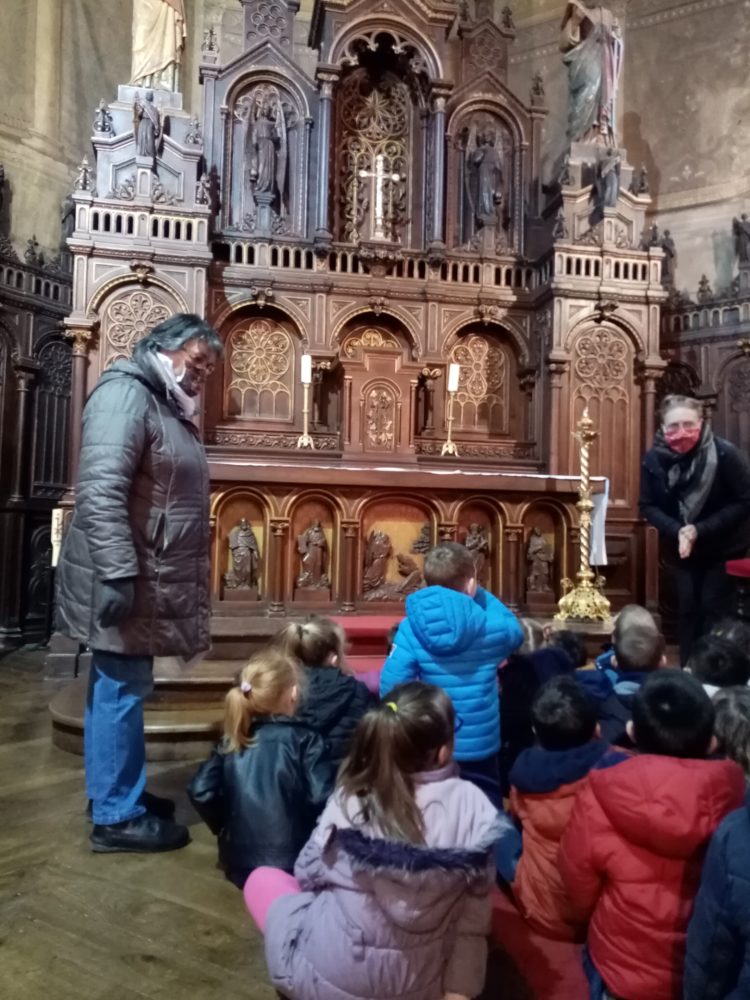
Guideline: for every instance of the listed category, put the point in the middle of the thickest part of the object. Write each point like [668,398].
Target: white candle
[306,369]
[454,372]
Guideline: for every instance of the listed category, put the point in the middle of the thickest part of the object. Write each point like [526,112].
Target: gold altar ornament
[584,601]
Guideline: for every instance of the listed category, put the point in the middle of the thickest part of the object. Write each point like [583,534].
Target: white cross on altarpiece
[380,177]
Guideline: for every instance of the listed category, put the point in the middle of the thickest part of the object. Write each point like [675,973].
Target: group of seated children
[368,834]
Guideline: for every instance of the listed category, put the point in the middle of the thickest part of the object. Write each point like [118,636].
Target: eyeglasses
[197,367]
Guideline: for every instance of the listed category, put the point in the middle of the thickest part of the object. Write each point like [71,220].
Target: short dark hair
[563,715]
[572,644]
[449,565]
[176,331]
[718,661]
[734,630]
[639,648]
[673,716]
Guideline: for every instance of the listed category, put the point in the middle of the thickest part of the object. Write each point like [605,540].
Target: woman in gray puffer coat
[392,897]
[133,577]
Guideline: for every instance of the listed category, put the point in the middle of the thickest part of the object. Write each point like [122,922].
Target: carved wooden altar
[383,213]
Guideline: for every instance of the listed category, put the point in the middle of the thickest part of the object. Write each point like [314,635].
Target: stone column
[81,337]
[276,606]
[512,561]
[437,229]
[350,531]
[327,80]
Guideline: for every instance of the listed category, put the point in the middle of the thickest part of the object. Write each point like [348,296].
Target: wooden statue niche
[484,160]
[241,580]
[313,580]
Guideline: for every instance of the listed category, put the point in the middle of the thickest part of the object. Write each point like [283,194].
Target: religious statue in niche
[377,554]
[267,121]
[485,210]
[313,551]
[374,585]
[478,544]
[539,559]
[741,230]
[592,48]
[159,34]
[146,125]
[243,546]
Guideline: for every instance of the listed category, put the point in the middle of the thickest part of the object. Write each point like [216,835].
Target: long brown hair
[263,688]
[394,741]
[314,642]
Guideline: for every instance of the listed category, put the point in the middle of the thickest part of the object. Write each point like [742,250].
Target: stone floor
[81,926]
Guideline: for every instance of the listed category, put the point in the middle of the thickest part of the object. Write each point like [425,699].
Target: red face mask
[683,441]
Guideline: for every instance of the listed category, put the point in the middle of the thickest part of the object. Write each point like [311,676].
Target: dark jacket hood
[538,771]
[445,622]
[595,683]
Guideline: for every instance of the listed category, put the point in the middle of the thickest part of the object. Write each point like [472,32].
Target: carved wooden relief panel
[259,371]
[602,378]
[732,417]
[53,413]
[127,317]
[481,403]
[392,550]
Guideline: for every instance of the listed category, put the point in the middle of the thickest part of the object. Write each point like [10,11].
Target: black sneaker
[157,805]
[144,835]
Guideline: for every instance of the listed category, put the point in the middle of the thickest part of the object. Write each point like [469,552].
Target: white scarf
[186,403]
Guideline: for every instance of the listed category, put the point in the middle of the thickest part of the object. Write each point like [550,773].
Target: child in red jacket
[632,853]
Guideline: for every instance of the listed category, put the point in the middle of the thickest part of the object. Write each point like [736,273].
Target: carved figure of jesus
[380,176]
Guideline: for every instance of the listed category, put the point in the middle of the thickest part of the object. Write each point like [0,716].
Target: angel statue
[484,175]
[591,44]
[267,147]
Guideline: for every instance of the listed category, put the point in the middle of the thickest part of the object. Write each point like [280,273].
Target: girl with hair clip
[264,786]
[391,895]
[333,701]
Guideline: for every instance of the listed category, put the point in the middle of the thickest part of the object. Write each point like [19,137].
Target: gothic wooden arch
[400,315]
[590,318]
[229,313]
[106,290]
[367,28]
[506,324]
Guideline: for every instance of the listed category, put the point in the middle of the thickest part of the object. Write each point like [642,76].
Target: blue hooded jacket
[457,643]
[717,963]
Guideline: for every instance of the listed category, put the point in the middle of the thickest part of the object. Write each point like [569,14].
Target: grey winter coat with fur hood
[142,512]
[382,918]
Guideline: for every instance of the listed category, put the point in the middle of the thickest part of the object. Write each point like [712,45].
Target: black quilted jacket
[142,511]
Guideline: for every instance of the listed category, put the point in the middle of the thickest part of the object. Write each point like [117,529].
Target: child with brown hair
[262,789]
[456,635]
[391,895]
[332,701]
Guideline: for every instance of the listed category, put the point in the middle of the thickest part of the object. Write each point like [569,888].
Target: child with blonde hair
[392,892]
[333,701]
[264,786]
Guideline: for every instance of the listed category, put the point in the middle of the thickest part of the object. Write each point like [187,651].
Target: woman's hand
[686,540]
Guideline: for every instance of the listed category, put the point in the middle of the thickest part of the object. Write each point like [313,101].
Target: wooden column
[511,594]
[557,369]
[350,532]
[276,577]
[25,372]
[327,80]
[81,337]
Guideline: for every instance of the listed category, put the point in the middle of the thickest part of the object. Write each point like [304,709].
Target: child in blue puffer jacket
[455,636]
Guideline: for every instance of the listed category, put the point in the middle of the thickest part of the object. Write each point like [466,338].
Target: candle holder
[305,439]
[584,601]
[449,446]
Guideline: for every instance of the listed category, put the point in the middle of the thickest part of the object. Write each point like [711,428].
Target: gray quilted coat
[141,511]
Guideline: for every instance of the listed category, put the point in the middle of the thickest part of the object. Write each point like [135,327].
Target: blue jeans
[113,740]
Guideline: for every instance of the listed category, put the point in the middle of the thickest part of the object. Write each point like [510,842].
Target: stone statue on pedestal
[158,40]
[607,184]
[592,51]
[741,230]
[243,546]
[667,265]
[313,550]
[146,125]
[539,557]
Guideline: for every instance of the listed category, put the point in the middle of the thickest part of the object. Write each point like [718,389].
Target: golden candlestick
[305,439]
[585,601]
[449,446]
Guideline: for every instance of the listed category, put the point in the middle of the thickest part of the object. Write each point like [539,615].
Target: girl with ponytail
[264,786]
[391,895]
[333,701]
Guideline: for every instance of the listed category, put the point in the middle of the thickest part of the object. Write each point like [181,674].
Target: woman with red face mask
[695,488]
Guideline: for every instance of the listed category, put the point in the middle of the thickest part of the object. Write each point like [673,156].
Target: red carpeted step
[551,968]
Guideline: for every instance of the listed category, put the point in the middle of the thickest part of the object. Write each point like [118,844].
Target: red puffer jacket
[631,858]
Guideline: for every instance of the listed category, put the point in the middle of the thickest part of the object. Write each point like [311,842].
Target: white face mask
[187,403]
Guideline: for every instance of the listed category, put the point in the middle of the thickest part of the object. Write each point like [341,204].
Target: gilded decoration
[370,340]
[481,400]
[260,371]
[374,120]
[129,318]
